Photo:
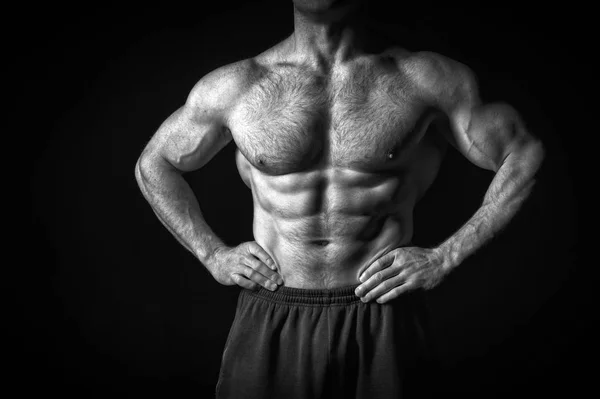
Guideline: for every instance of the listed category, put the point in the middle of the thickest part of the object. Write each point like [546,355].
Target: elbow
[536,154]
[150,168]
[529,152]
[143,168]
[139,176]
[535,159]
[532,160]
[527,159]
[137,171]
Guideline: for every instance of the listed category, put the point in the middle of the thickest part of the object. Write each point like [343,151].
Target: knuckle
[252,274]
[244,270]
[255,247]
[270,275]
[250,262]
[249,247]
[262,267]
[237,257]
[254,263]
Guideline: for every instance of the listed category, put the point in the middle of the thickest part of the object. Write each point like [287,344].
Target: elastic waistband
[315,297]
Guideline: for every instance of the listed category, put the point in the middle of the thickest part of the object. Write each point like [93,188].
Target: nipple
[391,153]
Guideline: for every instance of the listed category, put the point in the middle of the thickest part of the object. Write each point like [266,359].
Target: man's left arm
[491,136]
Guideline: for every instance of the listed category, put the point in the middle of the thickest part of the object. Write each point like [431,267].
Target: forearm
[176,206]
[509,189]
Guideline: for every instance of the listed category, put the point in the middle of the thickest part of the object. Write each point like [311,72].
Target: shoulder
[428,65]
[436,75]
[220,89]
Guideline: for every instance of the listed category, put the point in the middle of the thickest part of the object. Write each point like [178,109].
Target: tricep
[187,140]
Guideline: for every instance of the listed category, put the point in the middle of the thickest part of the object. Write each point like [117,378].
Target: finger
[243,282]
[396,292]
[261,254]
[376,279]
[264,270]
[378,265]
[255,276]
[383,287]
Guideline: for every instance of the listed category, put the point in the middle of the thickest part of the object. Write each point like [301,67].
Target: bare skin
[337,144]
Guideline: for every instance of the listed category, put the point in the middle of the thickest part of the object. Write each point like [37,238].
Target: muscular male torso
[336,158]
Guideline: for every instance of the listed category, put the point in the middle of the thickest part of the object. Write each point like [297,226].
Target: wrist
[208,257]
[446,256]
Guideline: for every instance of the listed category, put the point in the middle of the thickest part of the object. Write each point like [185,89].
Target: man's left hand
[399,271]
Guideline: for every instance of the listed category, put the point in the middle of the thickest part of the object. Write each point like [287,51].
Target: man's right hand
[247,265]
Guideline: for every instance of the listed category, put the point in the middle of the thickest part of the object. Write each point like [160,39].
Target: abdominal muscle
[324,228]
[325,263]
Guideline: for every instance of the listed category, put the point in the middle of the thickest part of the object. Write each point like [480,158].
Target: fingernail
[362,278]
[358,291]
[272,286]
[276,279]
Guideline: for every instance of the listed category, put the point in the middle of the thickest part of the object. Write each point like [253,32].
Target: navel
[320,243]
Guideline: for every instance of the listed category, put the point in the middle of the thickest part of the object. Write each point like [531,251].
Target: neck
[327,37]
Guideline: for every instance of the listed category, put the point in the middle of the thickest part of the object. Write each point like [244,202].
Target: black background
[106,301]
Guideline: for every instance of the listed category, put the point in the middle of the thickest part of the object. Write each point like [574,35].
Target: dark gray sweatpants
[298,343]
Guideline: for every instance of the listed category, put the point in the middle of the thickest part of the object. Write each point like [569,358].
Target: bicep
[487,134]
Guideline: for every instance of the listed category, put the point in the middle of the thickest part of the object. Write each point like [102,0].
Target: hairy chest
[291,121]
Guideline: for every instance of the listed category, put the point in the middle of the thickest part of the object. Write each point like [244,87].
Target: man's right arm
[186,141]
